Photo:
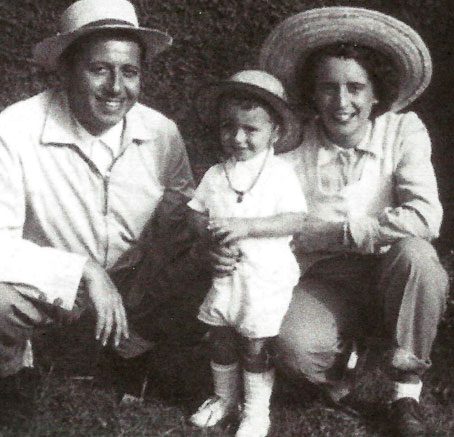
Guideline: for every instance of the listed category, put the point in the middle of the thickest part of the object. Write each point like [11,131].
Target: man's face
[104,82]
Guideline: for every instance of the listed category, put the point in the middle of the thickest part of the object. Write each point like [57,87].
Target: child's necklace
[241,193]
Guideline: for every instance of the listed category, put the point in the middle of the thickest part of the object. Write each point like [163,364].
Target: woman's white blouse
[385,187]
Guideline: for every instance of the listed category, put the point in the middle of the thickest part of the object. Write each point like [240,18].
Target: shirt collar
[368,144]
[111,138]
[59,125]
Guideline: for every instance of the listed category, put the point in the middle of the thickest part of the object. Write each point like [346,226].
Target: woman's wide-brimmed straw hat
[87,16]
[254,83]
[289,44]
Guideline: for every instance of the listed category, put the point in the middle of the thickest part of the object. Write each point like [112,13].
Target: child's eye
[130,72]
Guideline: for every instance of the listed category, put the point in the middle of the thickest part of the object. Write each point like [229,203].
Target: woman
[365,254]
[372,198]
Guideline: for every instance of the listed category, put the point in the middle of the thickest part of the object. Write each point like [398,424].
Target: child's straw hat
[265,88]
[289,44]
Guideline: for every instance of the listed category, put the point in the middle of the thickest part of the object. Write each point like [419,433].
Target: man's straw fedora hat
[252,83]
[289,44]
[87,16]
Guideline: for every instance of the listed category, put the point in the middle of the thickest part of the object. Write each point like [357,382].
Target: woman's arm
[418,211]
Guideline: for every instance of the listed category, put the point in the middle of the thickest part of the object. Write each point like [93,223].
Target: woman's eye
[355,88]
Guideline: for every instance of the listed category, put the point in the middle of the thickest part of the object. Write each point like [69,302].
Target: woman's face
[343,97]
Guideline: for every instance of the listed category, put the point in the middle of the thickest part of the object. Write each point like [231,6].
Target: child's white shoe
[254,426]
[211,412]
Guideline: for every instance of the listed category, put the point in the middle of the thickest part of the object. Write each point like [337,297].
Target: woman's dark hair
[67,58]
[379,67]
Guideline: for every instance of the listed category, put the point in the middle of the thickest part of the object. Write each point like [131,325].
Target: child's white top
[251,299]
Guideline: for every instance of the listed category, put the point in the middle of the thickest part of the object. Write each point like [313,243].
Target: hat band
[108,22]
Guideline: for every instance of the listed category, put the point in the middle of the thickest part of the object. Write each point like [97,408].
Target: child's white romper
[255,298]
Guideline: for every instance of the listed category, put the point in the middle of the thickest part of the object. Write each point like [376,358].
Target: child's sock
[256,414]
[226,380]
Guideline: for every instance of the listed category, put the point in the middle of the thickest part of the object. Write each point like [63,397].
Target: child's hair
[248,101]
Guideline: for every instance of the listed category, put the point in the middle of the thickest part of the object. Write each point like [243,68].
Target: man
[85,172]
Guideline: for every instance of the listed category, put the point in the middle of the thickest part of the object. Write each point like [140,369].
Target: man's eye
[98,69]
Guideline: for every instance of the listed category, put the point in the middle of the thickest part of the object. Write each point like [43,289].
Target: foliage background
[212,40]
[215,38]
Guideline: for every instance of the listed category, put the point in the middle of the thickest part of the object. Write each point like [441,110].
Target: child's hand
[228,230]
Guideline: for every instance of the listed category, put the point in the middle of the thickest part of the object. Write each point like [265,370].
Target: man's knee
[18,313]
[9,297]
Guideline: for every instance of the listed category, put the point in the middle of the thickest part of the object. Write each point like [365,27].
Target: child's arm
[230,229]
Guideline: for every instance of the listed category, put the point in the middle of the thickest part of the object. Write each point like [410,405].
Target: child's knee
[255,355]
[224,345]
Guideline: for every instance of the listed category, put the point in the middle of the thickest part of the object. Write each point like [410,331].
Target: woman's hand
[317,234]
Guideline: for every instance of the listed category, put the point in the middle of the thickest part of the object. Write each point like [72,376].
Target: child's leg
[226,378]
[258,379]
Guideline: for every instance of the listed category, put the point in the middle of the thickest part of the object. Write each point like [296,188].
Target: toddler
[252,202]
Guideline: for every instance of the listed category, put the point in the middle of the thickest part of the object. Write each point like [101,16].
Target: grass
[72,402]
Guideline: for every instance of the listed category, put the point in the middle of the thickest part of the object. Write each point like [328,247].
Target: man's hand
[221,260]
[107,302]
[228,230]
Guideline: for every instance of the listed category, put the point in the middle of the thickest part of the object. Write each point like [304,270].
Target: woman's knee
[311,336]
[414,252]
[417,258]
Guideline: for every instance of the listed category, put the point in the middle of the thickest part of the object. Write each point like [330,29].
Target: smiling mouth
[110,104]
[343,117]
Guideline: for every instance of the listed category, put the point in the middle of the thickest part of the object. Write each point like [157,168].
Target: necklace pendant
[239,199]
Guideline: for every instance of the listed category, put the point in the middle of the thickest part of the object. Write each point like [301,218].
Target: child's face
[244,133]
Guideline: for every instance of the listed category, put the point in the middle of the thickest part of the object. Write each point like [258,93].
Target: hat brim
[289,44]
[206,106]
[47,52]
